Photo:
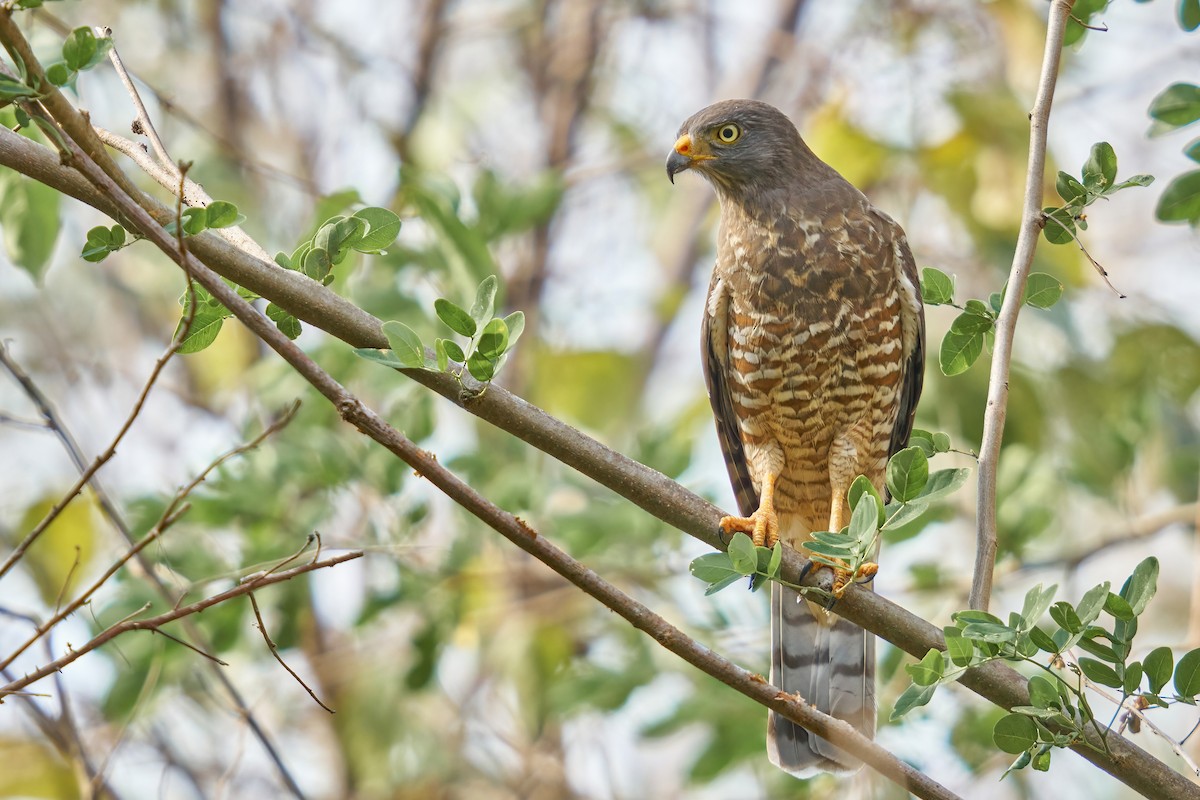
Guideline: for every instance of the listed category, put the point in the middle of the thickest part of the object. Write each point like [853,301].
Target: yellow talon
[763,525]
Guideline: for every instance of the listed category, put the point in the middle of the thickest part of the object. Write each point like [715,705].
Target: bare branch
[274,648]
[1031,227]
[155,623]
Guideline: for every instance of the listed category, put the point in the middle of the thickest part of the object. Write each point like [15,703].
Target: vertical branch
[1031,228]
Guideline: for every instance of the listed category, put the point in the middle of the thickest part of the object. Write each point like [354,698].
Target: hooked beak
[684,156]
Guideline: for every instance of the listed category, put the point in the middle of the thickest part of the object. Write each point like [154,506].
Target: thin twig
[1079,242]
[1136,711]
[100,460]
[128,624]
[143,124]
[274,648]
[1031,227]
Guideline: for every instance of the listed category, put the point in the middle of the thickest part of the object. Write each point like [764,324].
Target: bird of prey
[813,344]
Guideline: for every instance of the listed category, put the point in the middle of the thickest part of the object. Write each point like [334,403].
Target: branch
[154,623]
[650,490]
[1006,323]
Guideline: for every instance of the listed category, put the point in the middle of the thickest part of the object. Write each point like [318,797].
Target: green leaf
[928,670]
[913,697]
[1042,290]
[1158,665]
[1037,601]
[994,632]
[383,227]
[1101,651]
[1041,760]
[11,88]
[960,650]
[454,351]
[1180,202]
[317,263]
[1063,614]
[1192,151]
[864,522]
[1014,733]
[1043,640]
[907,473]
[482,368]
[713,588]
[1070,189]
[900,515]
[219,214]
[860,487]
[287,324]
[206,324]
[1177,105]
[1099,672]
[1136,180]
[842,551]
[337,236]
[60,74]
[961,346]
[405,343]
[944,482]
[1133,677]
[485,297]
[1187,674]
[937,287]
[516,326]
[1059,225]
[1189,14]
[455,318]
[82,50]
[29,219]
[941,444]
[1043,693]
[98,245]
[923,440]
[1118,607]
[1142,584]
[1091,605]
[439,349]
[776,560]
[494,340]
[1100,170]
[385,357]
[742,554]
[713,567]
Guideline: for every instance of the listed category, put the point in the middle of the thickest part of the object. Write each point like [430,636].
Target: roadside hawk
[813,342]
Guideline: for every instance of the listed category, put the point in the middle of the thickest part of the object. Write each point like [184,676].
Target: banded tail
[829,662]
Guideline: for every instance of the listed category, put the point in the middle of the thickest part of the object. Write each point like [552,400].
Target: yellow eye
[729,133]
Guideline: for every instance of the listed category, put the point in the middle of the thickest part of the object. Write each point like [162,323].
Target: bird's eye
[729,133]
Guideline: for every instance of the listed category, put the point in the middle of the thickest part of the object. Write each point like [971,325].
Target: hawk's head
[740,146]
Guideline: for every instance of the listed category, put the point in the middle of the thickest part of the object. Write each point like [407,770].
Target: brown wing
[913,323]
[728,432]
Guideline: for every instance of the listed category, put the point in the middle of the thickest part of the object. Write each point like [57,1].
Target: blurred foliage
[458,666]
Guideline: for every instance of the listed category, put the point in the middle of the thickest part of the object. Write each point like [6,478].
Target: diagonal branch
[1006,323]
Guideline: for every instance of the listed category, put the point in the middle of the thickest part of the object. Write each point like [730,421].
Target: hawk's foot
[762,526]
[842,578]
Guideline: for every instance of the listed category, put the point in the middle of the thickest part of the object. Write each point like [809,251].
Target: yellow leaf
[63,550]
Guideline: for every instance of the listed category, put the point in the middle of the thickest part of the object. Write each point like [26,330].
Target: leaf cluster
[367,231]
[81,51]
[488,339]
[1178,106]
[963,343]
[1059,713]
[1098,179]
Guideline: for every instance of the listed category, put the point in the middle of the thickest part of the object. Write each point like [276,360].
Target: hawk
[813,343]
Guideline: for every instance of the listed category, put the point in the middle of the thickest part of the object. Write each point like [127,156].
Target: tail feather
[831,664]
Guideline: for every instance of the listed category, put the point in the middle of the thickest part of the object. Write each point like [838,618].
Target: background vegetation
[526,140]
